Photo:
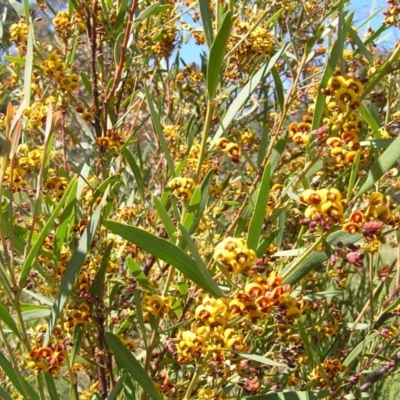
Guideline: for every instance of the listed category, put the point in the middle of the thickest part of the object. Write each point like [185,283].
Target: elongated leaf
[139,275]
[359,348]
[258,217]
[155,119]
[353,175]
[205,14]
[262,360]
[312,395]
[8,320]
[205,185]
[73,268]
[135,170]
[125,359]
[19,382]
[167,252]
[28,67]
[192,208]
[314,260]
[332,62]
[265,243]
[278,87]
[34,251]
[51,387]
[217,52]
[382,165]
[166,219]
[65,223]
[245,93]
[4,395]
[369,118]
[150,10]
[117,388]
[98,282]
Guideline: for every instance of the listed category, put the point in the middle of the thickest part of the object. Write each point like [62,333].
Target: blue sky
[362,10]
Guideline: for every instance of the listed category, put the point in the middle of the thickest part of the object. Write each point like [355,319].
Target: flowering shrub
[176,231]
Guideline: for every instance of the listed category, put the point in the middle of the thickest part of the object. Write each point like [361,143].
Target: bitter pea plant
[179,231]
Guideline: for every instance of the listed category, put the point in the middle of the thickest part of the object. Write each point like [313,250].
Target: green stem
[305,255]
[203,145]
[14,363]
[195,377]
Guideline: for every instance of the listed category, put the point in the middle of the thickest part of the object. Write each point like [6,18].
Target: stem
[195,378]
[371,288]
[206,130]
[15,364]
[305,255]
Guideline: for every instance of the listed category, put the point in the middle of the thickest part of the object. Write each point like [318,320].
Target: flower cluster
[182,188]
[235,255]
[325,208]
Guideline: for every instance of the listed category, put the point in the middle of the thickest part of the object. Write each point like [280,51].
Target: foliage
[177,231]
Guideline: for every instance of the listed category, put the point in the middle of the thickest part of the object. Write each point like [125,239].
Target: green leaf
[139,275]
[314,260]
[386,161]
[34,251]
[262,360]
[278,88]
[265,243]
[4,395]
[369,118]
[8,320]
[377,143]
[257,220]
[149,11]
[336,53]
[205,13]
[86,83]
[73,268]
[312,395]
[135,170]
[359,349]
[245,93]
[28,66]
[205,185]
[192,208]
[65,223]
[155,119]
[167,252]
[217,52]
[113,395]
[166,220]
[312,358]
[98,282]
[17,380]
[279,148]
[353,175]
[18,7]
[126,360]
[51,387]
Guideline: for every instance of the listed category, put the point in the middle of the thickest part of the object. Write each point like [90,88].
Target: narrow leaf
[139,275]
[167,252]
[217,52]
[155,119]
[34,251]
[258,217]
[382,165]
[262,360]
[125,359]
[17,380]
[245,93]
[205,14]
[73,268]
[8,320]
